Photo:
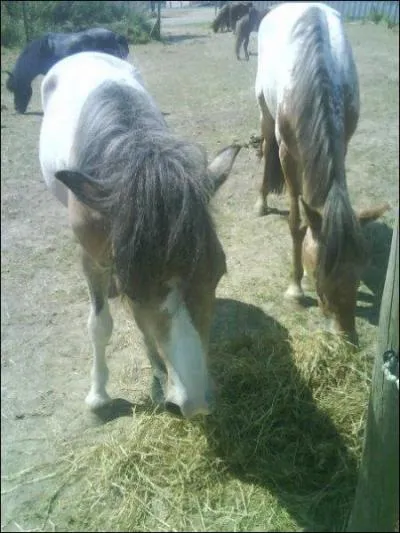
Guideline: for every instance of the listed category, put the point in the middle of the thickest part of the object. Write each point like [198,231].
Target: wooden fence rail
[376,504]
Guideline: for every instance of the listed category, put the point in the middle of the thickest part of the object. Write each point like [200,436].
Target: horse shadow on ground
[173,39]
[267,429]
[34,113]
[378,236]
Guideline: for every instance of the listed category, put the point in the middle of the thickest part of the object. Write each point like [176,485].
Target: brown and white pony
[137,198]
[308,94]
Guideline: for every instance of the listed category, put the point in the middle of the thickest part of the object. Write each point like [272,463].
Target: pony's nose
[187,409]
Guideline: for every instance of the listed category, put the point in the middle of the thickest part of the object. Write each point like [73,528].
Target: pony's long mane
[318,110]
[157,188]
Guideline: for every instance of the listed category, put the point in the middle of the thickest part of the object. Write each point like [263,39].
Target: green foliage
[70,16]
[12,28]
[375,16]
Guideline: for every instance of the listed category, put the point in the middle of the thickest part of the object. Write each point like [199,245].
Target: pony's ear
[221,165]
[368,215]
[84,187]
[313,219]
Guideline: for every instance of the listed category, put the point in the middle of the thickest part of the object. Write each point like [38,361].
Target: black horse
[41,54]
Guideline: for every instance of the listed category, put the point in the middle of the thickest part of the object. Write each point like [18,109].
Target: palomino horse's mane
[314,106]
[317,115]
[156,187]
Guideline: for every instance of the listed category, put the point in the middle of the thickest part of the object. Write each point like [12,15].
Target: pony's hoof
[96,401]
[306,283]
[112,288]
[294,292]
[260,208]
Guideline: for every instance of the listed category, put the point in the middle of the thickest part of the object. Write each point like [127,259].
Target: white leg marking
[188,380]
[261,206]
[306,282]
[294,291]
[100,328]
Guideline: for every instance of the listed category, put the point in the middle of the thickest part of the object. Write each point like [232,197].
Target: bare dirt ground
[209,98]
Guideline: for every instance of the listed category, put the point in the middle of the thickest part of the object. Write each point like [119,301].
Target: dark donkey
[41,54]
[247,24]
[229,14]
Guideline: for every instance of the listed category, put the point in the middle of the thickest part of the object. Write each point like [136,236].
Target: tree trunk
[26,26]
[376,504]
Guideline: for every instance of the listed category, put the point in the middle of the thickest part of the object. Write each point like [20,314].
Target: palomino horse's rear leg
[272,176]
[100,325]
[289,169]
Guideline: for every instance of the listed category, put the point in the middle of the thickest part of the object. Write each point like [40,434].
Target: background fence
[356,10]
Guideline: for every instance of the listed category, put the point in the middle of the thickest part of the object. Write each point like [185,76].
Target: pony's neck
[29,65]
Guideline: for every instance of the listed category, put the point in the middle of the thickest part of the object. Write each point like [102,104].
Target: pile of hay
[280,453]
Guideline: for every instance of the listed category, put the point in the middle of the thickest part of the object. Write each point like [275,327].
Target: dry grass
[282,449]
[279,454]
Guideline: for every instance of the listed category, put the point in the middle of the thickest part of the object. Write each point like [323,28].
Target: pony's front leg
[100,325]
[160,376]
[289,169]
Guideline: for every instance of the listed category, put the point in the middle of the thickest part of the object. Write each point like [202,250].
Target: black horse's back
[41,54]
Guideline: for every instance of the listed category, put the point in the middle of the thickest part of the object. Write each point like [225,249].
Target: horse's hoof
[306,283]
[260,208]
[96,401]
[294,292]
[112,288]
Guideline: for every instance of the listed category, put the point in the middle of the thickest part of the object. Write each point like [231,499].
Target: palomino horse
[307,91]
[41,54]
[137,199]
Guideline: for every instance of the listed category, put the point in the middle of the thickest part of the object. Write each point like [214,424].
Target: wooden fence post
[376,504]
[155,32]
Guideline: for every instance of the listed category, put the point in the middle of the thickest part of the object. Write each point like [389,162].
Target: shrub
[70,16]
[375,16]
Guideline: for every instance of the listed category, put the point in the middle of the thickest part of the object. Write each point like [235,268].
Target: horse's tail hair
[341,236]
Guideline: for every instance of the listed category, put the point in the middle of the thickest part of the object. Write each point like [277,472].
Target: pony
[229,14]
[222,20]
[308,96]
[41,54]
[245,26]
[138,203]
[237,11]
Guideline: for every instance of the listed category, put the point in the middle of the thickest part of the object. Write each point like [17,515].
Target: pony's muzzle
[187,407]
[187,410]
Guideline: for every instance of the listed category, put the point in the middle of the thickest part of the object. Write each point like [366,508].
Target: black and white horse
[41,54]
